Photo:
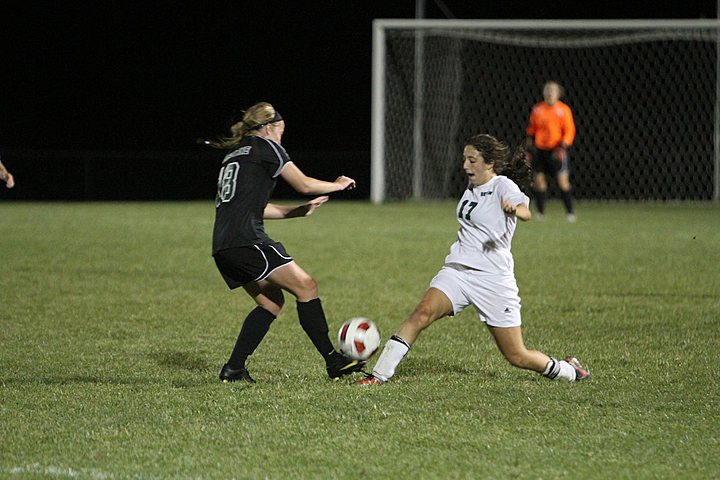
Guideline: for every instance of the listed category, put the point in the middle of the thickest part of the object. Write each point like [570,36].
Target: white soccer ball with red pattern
[358,338]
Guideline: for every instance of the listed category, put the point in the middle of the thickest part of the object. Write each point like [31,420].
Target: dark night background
[105,100]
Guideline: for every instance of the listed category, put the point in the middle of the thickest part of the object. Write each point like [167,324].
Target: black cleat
[228,375]
[340,365]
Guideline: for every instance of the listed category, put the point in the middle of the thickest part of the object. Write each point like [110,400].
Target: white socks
[396,348]
[393,353]
[559,370]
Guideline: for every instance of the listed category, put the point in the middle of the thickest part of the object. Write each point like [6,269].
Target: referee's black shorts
[241,265]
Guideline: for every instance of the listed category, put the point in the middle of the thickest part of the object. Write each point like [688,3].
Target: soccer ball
[358,338]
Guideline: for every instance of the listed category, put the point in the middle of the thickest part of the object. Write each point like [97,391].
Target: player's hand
[530,150]
[518,210]
[315,203]
[509,207]
[560,153]
[9,180]
[346,183]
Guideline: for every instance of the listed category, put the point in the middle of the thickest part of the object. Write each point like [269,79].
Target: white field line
[67,472]
[61,472]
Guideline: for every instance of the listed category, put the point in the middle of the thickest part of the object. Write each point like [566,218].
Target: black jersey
[246,181]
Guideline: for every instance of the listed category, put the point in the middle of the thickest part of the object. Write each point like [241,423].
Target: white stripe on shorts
[265,272]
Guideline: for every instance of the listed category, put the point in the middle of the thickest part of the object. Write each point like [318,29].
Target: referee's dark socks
[253,330]
[567,200]
[539,201]
[312,320]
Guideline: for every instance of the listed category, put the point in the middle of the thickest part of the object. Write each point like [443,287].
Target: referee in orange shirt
[551,131]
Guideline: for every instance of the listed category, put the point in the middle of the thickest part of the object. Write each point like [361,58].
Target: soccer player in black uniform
[247,257]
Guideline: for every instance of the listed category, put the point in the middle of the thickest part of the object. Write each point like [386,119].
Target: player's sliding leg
[434,304]
[394,351]
[511,345]
[559,370]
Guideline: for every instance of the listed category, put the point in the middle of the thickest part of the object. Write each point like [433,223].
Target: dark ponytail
[513,164]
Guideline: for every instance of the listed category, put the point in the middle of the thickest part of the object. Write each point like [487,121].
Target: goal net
[644,96]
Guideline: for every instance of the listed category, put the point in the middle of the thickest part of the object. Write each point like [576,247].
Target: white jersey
[485,235]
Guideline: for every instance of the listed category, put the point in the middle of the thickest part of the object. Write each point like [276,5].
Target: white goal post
[645,95]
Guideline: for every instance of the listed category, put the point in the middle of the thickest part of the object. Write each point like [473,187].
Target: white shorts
[495,297]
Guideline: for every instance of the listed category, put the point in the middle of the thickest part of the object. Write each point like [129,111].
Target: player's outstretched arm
[312,186]
[274,211]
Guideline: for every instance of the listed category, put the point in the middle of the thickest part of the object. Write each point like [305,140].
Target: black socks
[539,201]
[257,324]
[312,319]
[253,330]
[567,200]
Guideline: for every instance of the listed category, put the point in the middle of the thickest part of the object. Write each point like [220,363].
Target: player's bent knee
[308,287]
[271,308]
[274,306]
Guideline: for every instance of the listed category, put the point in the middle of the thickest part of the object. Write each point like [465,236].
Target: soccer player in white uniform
[479,270]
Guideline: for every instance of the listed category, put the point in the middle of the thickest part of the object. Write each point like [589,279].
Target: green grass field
[115,324]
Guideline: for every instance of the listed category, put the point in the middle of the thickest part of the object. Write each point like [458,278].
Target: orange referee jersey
[551,125]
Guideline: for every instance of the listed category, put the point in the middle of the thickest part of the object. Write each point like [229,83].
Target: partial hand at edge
[345,183]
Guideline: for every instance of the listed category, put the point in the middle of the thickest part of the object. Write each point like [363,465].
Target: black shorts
[241,265]
[544,161]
